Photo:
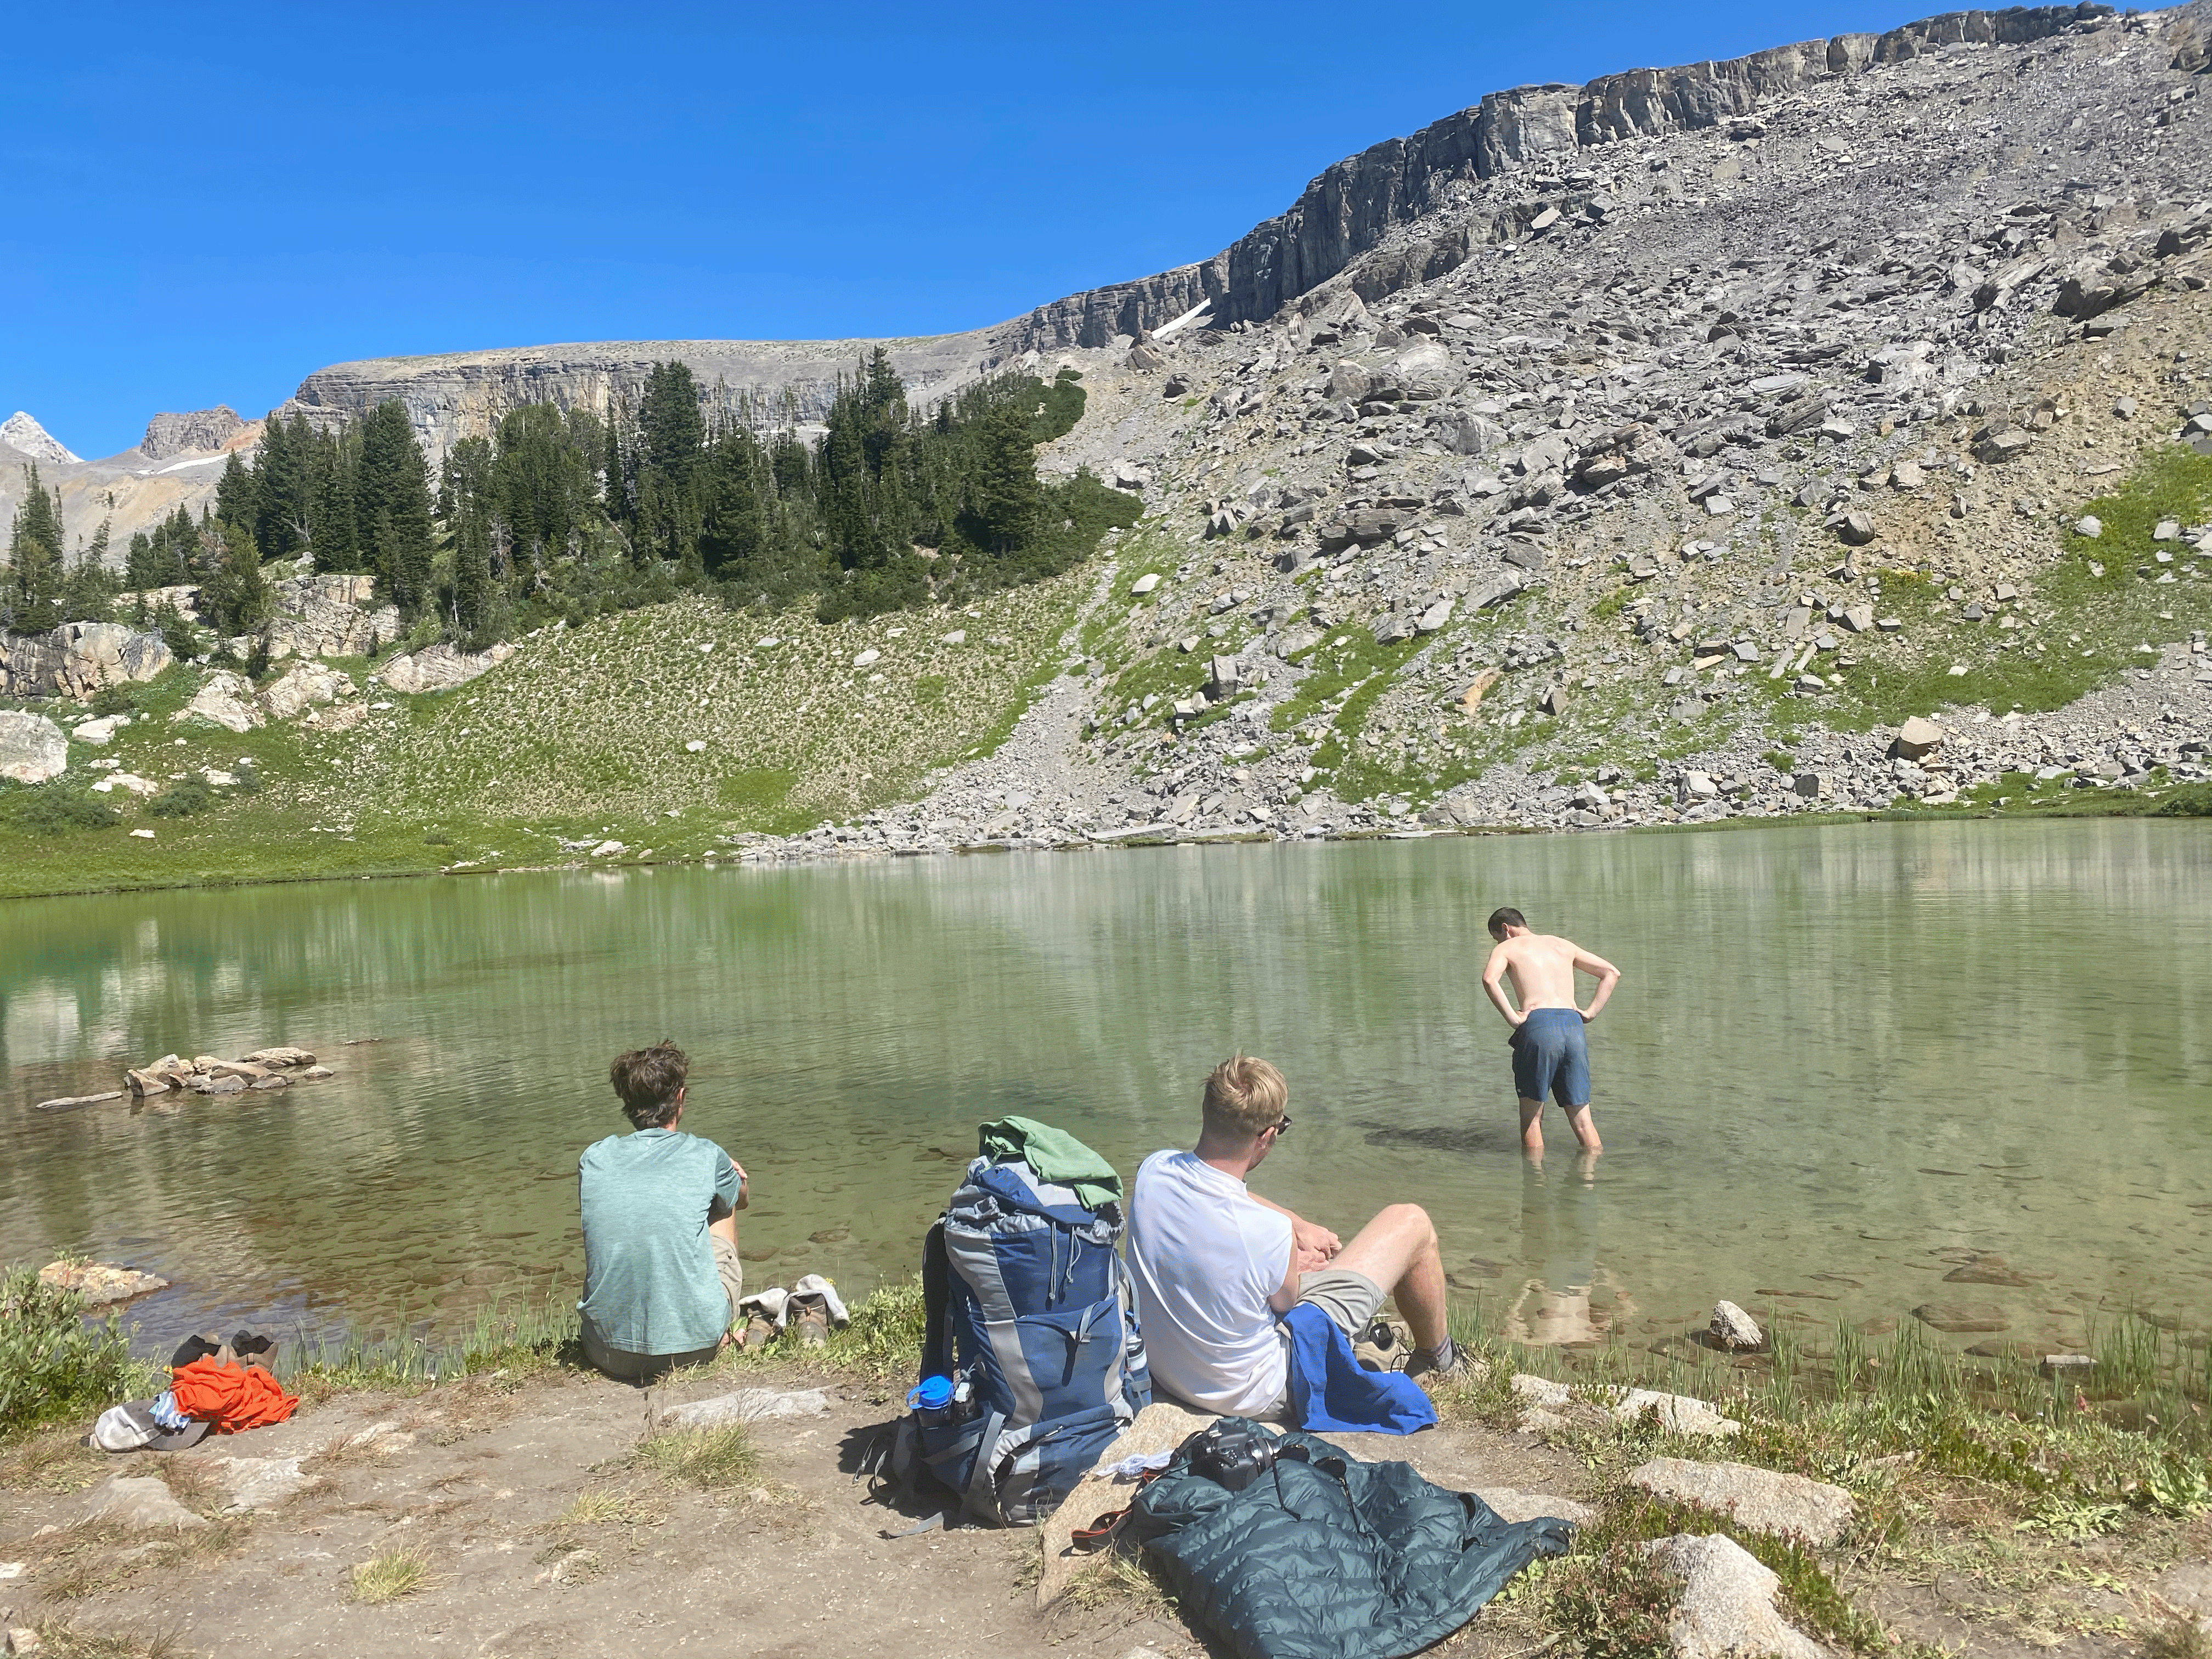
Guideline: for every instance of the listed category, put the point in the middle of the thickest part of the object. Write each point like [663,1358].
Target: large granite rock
[305,685]
[328,616]
[1727,1607]
[1788,1505]
[32,747]
[440,668]
[1161,1426]
[78,660]
[227,699]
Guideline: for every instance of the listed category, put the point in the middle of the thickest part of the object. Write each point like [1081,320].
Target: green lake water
[1843,1063]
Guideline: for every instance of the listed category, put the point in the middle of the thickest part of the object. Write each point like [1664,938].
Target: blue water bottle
[930,1398]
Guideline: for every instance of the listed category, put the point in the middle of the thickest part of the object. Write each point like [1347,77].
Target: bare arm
[1312,1245]
[1607,976]
[1493,974]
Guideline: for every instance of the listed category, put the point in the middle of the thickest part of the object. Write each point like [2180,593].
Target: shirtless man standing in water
[1550,1056]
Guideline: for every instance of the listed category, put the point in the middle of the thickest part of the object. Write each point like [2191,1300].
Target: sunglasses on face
[1281,1126]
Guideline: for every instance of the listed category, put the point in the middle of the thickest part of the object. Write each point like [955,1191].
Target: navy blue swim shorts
[1551,1056]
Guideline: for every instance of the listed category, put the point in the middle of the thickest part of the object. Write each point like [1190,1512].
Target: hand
[1309,1260]
[1307,1239]
[1587,1016]
[740,1169]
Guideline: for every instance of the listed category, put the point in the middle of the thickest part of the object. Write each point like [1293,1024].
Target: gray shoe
[1424,1364]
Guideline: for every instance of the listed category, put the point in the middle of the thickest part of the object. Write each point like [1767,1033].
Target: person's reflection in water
[1558,1241]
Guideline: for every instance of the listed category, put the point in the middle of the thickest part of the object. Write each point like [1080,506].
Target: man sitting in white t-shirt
[1215,1263]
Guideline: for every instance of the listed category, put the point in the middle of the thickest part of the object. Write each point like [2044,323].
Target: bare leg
[1579,1119]
[1532,1125]
[1398,1250]
[726,1229]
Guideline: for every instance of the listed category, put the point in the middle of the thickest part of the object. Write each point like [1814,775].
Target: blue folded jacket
[1331,1390]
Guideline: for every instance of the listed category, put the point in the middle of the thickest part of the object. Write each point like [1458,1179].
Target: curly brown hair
[650,1081]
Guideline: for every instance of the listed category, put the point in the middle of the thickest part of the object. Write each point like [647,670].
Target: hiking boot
[813,1318]
[1424,1364]
[760,1330]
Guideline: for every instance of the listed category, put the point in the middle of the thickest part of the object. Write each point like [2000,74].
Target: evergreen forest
[565,515]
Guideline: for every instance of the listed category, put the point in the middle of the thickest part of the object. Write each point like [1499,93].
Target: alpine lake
[1859,1073]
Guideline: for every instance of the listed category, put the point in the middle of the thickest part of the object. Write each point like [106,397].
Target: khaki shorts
[626,1367]
[1350,1299]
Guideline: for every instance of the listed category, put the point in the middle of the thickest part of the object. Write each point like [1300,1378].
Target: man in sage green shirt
[661,1276]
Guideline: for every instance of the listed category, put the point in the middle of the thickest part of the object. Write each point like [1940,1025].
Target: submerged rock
[1961,1317]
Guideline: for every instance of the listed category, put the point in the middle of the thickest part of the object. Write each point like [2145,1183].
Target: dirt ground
[479,1480]
[539,1530]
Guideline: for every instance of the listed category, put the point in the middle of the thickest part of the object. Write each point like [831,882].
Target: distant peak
[20,432]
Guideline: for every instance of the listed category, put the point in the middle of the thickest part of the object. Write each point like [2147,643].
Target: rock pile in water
[264,1068]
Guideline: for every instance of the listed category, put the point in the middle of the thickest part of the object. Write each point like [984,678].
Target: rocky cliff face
[455,396]
[1347,212]
[1350,208]
[168,436]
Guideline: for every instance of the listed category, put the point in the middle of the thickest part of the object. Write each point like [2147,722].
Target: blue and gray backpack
[1032,1364]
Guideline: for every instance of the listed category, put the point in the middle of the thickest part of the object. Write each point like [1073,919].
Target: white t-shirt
[1206,1258]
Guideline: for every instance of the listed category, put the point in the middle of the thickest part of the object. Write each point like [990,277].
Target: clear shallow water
[1842,1062]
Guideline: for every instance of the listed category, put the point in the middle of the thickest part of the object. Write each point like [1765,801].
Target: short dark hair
[648,1080]
[1504,917]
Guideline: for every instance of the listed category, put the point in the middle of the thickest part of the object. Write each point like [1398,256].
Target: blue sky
[206,204]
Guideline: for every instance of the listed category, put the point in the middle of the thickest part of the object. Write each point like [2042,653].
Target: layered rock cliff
[1348,211]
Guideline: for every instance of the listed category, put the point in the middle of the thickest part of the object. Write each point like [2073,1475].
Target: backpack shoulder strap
[936,1294]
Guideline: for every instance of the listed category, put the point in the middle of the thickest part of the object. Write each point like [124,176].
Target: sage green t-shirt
[650,1285]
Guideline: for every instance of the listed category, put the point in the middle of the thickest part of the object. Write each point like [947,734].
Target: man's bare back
[1553,1060]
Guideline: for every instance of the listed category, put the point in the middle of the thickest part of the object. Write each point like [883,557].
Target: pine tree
[88,595]
[236,498]
[393,498]
[1004,493]
[234,597]
[334,534]
[614,490]
[475,599]
[30,599]
[283,475]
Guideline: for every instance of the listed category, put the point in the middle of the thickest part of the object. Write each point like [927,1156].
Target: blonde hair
[1244,1096]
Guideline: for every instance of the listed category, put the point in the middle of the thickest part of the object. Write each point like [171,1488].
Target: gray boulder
[304,686]
[1732,1327]
[1787,1506]
[32,747]
[227,700]
[1727,1605]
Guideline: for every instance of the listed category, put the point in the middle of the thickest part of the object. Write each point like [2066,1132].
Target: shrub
[182,799]
[52,810]
[52,1364]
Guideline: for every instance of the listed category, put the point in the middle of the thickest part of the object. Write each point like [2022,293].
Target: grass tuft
[390,1575]
[713,1459]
